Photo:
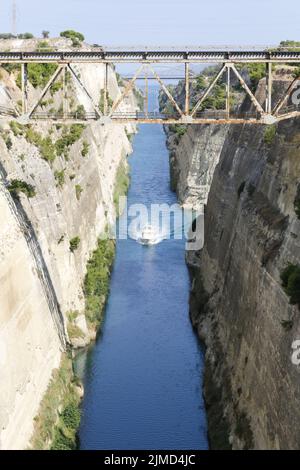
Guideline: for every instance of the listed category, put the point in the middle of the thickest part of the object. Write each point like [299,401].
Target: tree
[71,34]
[46,34]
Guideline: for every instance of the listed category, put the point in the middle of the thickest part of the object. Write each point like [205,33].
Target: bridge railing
[289,109]
[77,116]
[140,115]
[5,111]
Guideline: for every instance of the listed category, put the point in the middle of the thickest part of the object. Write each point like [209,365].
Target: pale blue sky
[166,22]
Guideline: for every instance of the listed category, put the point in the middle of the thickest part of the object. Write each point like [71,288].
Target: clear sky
[160,22]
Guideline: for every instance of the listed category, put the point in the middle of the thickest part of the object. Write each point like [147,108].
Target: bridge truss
[266,112]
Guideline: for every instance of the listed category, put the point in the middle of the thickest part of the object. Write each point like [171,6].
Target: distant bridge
[229,60]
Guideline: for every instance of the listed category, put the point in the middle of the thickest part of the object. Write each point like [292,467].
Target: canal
[143,377]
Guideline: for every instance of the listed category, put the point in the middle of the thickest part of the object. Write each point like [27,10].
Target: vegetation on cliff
[96,282]
[290,278]
[18,186]
[57,428]
[122,183]
[297,202]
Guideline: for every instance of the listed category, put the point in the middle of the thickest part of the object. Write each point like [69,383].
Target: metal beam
[65,98]
[228,92]
[208,90]
[165,89]
[125,92]
[268,88]
[96,109]
[286,96]
[105,97]
[146,100]
[187,88]
[24,87]
[247,89]
[52,79]
[180,55]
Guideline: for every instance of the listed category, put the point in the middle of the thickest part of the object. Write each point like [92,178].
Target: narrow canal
[143,377]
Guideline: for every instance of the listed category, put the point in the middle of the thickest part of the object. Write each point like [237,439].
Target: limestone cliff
[41,271]
[238,304]
[193,158]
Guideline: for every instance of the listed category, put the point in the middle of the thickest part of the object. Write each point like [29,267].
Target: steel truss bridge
[146,60]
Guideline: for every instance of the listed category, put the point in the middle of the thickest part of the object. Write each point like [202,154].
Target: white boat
[148,236]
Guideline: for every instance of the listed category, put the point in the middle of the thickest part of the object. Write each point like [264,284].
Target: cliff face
[41,277]
[238,304]
[193,158]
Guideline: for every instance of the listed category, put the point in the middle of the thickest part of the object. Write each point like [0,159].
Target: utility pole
[14,18]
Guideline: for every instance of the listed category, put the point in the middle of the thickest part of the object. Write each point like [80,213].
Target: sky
[159,22]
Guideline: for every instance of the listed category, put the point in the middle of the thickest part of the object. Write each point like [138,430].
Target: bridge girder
[264,113]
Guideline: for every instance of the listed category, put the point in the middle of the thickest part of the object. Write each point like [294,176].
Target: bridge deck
[151,56]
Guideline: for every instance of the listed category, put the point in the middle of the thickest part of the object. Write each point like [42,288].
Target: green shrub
[256,73]
[269,134]
[178,129]
[96,282]
[16,128]
[40,74]
[55,87]
[110,102]
[122,183]
[200,83]
[68,138]
[25,36]
[62,442]
[8,142]
[78,191]
[71,34]
[297,202]
[50,427]
[74,243]
[290,278]
[44,144]
[18,186]
[71,416]
[60,177]
[80,112]
[85,148]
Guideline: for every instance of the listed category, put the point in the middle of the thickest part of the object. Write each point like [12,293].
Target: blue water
[143,377]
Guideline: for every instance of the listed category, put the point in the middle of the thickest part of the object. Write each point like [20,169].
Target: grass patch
[96,282]
[51,429]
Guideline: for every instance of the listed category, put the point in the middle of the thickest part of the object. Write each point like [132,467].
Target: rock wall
[193,158]
[41,278]
[238,304]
